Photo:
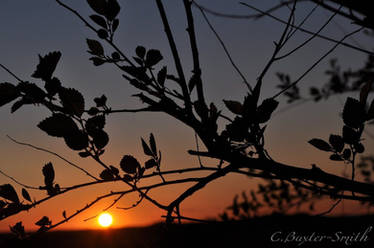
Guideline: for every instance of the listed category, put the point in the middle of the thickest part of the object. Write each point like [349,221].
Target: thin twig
[278,46]
[110,42]
[303,21]
[225,50]
[18,182]
[191,219]
[316,63]
[310,32]
[309,39]
[198,150]
[54,154]
[330,209]
[195,53]
[10,72]
[174,50]
[135,204]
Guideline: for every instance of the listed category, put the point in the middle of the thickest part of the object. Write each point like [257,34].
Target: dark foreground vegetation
[296,231]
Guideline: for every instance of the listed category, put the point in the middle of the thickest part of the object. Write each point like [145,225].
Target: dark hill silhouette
[254,233]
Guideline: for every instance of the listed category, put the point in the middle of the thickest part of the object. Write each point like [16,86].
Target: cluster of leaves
[146,60]
[280,197]
[29,93]
[106,13]
[10,203]
[132,167]
[355,113]
[67,106]
[246,125]
[19,230]
[340,81]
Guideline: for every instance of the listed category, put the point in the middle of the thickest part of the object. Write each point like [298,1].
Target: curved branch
[54,154]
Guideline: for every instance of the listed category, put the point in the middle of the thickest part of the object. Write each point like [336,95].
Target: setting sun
[105,219]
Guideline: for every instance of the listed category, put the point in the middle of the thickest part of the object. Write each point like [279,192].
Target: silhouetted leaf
[97,61]
[102,33]
[18,229]
[84,154]
[238,129]
[52,86]
[99,6]
[353,113]
[127,178]
[213,110]
[129,164]
[320,144]
[150,163]
[33,93]
[93,111]
[161,76]
[141,172]
[115,25]
[116,56]
[18,104]
[201,109]
[58,125]
[100,101]
[138,60]
[193,82]
[152,143]
[234,106]
[106,175]
[336,142]
[359,148]
[64,214]
[146,149]
[137,72]
[95,47]
[44,221]
[140,51]
[153,57]
[7,192]
[346,154]
[364,92]
[350,136]
[99,20]
[265,110]
[47,65]
[8,92]
[76,140]
[335,157]
[49,174]
[95,123]
[371,111]
[100,139]
[114,170]
[72,101]
[26,195]
[112,9]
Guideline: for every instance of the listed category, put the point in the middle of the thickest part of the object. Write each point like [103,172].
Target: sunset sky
[29,28]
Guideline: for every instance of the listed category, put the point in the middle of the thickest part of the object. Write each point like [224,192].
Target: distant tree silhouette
[239,148]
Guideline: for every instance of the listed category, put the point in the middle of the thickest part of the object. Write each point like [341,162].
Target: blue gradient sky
[29,28]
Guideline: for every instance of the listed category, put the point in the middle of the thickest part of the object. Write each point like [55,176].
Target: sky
[29,28]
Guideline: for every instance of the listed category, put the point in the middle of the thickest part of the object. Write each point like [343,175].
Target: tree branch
[177,61]
[54,154]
